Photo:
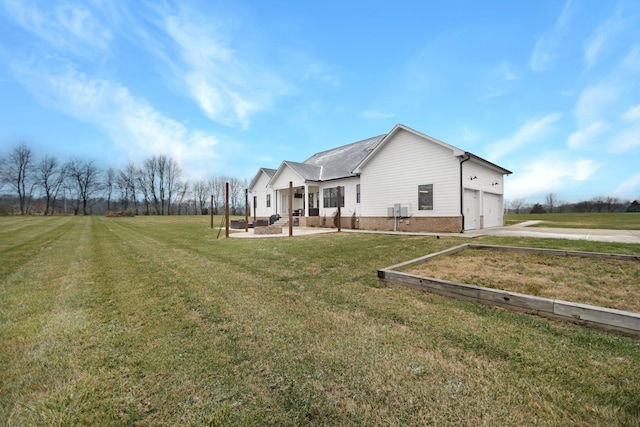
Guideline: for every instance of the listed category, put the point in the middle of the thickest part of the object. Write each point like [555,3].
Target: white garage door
[471,210]
[492,212]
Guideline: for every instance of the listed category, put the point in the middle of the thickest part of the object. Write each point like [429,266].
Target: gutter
[466,157]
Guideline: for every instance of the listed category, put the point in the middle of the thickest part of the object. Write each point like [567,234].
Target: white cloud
[582,137]
[627,139]
[593,47]
[229,84]
[632,114]
[532,131]
[593,101]
[548,174]
[548,44]
[376,115]
[134,126]
[71,29]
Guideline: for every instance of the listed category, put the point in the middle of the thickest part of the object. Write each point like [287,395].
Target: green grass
[610,221]
[154,321]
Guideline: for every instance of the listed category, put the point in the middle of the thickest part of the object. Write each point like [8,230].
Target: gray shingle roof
[340,162]
[269,172]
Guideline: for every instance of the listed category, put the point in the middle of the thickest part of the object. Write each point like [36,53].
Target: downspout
[464,159]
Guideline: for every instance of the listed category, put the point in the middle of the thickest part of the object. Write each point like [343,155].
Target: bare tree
[182,188]
[126,181]
[551,201]
[85,176]
[201,193]
[217,187]
[144,186]
[50,177]
[109,184]
[598,203]
[517,204]
[17,173]
[149,180]
[171,175]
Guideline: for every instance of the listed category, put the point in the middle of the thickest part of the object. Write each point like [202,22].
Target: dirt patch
[602,282]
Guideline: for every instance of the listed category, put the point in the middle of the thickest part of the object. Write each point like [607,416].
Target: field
[154,321]
[610,221]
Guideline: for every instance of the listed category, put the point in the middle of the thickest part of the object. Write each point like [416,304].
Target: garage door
[471,210]
[492,210]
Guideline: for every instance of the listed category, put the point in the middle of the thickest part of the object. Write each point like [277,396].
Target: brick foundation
[414,224]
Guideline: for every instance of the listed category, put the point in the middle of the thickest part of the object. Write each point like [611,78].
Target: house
[400,181]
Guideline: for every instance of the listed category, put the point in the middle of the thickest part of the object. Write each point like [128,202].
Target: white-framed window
[330,197]
[425,197]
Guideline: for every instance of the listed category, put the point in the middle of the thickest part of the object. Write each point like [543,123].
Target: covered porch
[305,201]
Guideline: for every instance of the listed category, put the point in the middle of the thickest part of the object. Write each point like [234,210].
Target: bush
[538,209]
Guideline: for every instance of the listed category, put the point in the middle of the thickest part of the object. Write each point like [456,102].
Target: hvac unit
[398,211]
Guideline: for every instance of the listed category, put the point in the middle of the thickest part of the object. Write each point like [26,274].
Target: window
[357,193]
[331,197]
[425,197]
[268,200]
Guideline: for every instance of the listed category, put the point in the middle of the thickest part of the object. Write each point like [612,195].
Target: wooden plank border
[619,321]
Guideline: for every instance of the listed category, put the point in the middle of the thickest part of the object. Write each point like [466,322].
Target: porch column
[305,205]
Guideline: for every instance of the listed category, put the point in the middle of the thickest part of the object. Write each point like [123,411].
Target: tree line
[553,205]
[44,185]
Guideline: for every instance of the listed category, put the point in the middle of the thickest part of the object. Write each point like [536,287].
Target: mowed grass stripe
[183,329]
[42,322]
[19,245]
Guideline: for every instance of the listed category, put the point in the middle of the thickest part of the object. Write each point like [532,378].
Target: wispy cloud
[131,122]
[593,101]
[632,114]
[68,28]
[594,46]
[626,139]
[228,83]
[549,173]
[582,137]
[530,132]
[549,43]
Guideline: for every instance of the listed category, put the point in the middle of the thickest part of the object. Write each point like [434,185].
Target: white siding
[286,175]
[260,191]
[402,164]
[350,205]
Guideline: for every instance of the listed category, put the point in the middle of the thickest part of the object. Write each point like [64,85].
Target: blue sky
[548,89]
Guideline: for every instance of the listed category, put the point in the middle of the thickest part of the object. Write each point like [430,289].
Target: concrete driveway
[525,230]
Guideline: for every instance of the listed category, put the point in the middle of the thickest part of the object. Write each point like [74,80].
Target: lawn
[611,221]
[154,321]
